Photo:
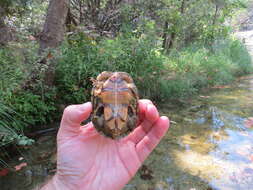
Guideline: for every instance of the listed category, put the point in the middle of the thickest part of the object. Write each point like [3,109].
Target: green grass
[11,129]
[197,67]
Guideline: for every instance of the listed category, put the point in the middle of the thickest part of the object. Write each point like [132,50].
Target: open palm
[88,160]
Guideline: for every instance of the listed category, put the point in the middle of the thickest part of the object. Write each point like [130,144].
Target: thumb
[72,117]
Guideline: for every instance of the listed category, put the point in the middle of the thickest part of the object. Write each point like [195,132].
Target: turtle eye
[100,111]
[130,111]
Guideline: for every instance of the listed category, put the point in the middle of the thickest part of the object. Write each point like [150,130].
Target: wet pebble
[200,120]
[161,185]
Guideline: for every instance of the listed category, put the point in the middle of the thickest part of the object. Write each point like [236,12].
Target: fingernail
[153,112]
[86,106]
[151,106]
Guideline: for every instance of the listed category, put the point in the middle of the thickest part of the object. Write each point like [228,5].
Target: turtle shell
[114,104]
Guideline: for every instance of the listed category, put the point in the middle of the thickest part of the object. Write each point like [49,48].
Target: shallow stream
[209,145]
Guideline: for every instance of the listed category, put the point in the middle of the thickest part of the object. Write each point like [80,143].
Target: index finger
[142,104]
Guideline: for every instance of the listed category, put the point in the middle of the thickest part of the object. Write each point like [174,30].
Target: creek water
[209,146]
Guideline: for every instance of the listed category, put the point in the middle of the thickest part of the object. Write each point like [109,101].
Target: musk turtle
[114,104]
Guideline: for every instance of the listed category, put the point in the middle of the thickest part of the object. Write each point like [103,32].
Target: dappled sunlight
[227,165]
[199,145]
[218,135]
[197,164]
[237,98]
[219,172]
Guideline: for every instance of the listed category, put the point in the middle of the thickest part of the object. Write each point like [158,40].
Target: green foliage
[11,7]
[190,21]
[12,73]
[238,55]
[198,67]
[35,109]
[157,76]
[83,58]
[11,127]
[25,17]
[32,19]
[33,101]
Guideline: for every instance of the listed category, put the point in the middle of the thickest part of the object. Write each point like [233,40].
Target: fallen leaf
[204,96]
[4,172]
[249,122]
[49,55]
[146,173]
[251,157]
[32,38]
[221,87]
[20,166]
[244,133]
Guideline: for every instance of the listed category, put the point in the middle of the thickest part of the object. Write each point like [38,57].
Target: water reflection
[209,147]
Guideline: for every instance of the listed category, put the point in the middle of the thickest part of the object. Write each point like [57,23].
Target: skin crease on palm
[89,161]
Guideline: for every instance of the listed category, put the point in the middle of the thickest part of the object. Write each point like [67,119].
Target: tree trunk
[54,27]
[182,8]
[214,21]
[52,35]
[165,34]
[172,39]
[215,15]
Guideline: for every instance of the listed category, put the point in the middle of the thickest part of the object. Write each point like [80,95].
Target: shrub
[239,56]
[12,71]
[158,76]
[83,58]
[34,105]
[198,66]
[35,109]
[11,127]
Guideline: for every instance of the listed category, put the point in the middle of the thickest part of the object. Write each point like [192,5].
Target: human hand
[88,160]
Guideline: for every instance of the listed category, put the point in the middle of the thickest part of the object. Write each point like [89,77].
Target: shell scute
[115,104]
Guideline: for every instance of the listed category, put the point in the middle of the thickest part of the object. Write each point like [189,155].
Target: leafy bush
[12,72]
[31,106]
[158,76]
[237,53]
[35,109]
[11,127]
[83,58]
[198,66]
